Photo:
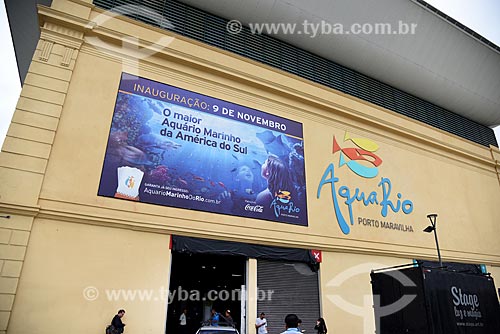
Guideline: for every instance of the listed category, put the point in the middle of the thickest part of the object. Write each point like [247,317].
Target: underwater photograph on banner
[174,147]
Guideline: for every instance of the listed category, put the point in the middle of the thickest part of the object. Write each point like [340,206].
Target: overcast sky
[483,16]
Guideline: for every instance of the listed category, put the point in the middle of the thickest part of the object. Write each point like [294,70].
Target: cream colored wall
[67,264]
[346,292]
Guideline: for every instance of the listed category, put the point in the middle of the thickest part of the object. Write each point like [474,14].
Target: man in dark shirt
[117,322]
[227,319]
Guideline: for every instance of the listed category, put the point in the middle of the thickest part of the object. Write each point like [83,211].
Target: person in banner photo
[296,165]
[279,182]
[242,192]
[290,153]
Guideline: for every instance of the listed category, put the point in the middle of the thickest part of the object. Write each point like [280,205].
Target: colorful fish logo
[364,152]
[283,196]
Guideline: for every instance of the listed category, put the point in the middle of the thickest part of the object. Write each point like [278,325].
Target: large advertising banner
[174,147]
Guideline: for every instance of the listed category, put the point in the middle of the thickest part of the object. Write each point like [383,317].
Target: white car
[217,330]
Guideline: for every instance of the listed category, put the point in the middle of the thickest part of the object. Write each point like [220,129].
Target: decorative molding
[85,3]
[19,209]
[58,38]
[66,59]
[46,50]
[63,30]
[80,213]
[339,245]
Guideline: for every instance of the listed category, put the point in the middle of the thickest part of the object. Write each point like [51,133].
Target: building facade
[106,183]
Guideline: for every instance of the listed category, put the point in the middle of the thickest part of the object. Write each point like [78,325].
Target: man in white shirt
[261,324]
[183,322]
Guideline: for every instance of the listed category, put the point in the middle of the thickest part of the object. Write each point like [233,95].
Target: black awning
[220,247]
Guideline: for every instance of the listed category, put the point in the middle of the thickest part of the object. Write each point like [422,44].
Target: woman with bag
[321,326]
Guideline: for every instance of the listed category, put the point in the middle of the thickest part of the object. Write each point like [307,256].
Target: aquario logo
[283,203]
[357,154]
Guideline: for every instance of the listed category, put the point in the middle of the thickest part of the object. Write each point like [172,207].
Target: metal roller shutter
[296,290]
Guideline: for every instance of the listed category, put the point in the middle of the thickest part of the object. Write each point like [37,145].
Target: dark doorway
[199,282]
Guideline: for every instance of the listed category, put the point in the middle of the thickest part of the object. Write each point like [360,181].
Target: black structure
[189,245]
[432,228]
[419,299]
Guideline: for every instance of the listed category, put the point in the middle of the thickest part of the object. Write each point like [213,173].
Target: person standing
[117,323]
[214,318]
[183,322]
[228,319]
[291,324]
[321,326]
[261,324]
